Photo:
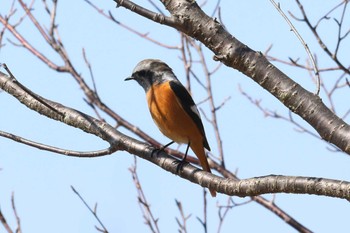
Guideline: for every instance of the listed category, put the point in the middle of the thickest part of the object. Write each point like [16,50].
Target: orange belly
[168,114]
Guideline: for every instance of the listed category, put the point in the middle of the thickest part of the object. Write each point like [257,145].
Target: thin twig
[224,209]
[208,87]
[151,221]
[156,7]
[319,39]
[40,146]
[216,8]
[186,57]
[94,212]
[18,221]
[88,64]
[4,223]
[274,114]
[295,63]
[146,36]
[184,218]
[278,7]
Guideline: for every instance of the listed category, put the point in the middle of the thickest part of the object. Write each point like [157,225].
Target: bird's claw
[180,164]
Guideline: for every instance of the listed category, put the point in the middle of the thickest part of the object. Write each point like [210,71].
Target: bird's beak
[129,78]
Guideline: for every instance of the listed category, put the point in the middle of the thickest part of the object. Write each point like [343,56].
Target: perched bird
[172,108]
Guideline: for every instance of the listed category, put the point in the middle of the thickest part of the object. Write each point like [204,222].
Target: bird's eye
[144,73]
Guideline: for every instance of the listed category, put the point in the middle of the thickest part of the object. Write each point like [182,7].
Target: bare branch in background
[313,29]
[224,209]
[144,205]
[182,223]
[4,222]
[112,18]
[300,38]
[92,211]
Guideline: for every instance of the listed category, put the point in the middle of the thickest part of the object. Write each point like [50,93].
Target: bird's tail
[198,149]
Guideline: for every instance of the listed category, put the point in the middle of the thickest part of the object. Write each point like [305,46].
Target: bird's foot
[180,164]
[157,151]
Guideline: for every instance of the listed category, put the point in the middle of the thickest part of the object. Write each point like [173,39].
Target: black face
[151,71]
[144,78]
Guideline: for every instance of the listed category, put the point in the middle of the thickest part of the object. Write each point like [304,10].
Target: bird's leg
[184,158]
[183,161]
[165,146]
[162,148]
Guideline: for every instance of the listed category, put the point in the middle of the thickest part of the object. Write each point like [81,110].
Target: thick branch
[248,187]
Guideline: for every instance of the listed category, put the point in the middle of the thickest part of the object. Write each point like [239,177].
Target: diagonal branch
[5,223]
[300,38]
[313,29]
[26,44]
[159,18]
[144,205]
[93,211]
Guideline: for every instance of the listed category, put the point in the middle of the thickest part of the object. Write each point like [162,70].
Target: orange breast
[171,119]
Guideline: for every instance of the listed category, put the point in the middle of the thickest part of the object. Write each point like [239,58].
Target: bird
[172,108]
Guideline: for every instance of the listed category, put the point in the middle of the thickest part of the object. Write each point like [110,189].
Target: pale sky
[253,144]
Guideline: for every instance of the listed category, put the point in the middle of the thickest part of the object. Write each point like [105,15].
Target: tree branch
[57,150]
[322,44]
[4,223]
[92,211]
[159,18]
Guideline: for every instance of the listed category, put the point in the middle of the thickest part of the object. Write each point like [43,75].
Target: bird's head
[151,72]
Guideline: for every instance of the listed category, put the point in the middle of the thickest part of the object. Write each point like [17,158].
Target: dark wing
[189,106]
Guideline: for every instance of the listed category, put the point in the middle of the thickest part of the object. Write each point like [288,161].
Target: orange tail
[198,149]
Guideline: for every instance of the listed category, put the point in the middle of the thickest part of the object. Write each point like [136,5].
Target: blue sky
[253,144]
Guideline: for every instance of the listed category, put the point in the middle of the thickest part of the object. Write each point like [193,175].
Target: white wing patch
[195,110]
[168,77]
